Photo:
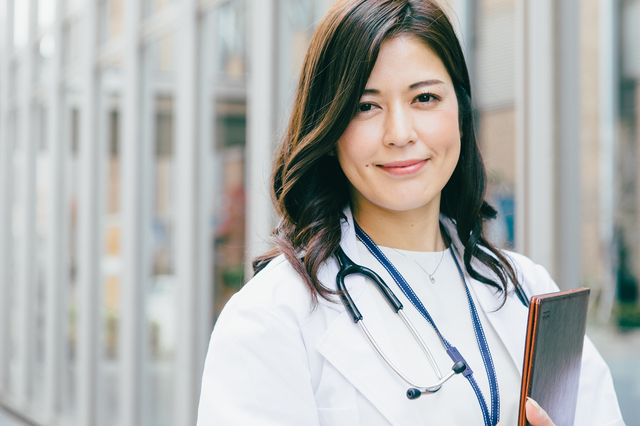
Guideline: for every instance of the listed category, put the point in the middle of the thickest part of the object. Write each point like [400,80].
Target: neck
[415,230]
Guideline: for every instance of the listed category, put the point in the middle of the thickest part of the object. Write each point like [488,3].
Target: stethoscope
[348,267]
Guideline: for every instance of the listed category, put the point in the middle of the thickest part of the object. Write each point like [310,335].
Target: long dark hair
[310,190]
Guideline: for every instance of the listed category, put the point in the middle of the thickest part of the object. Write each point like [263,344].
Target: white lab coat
[273,361]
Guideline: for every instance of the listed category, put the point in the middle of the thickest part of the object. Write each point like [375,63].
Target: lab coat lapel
[510,321]
[347,348]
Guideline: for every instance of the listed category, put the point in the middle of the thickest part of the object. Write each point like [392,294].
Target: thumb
[536,415]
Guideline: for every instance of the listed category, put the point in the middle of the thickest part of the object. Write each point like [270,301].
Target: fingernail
[535,404]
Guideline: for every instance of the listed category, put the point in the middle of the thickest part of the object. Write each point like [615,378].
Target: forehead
[404,60]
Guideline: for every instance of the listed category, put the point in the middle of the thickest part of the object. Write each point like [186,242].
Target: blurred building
[136,140]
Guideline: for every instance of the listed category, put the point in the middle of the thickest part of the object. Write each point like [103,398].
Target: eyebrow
[414,86]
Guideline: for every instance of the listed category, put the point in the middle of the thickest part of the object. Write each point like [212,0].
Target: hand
[536,416]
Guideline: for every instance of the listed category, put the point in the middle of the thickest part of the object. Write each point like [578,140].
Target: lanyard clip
[456,356]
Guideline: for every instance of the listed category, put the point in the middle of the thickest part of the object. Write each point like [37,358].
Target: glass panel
[495,97]
[228,107]
[71,134]
[110,20]
[230,242]
[43,59]
[152,6]
[298,23]
[628,175]
[42,233]
[16,227]
[72,4]
[158,113]
[20,23]
[71,43]
[232,40]
[46,13]
[496,137]
[112,255]
[296,34]
[14,79]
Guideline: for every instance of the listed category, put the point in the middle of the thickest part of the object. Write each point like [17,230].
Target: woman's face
[403,145]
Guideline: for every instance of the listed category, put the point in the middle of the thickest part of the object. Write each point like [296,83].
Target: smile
[400,168]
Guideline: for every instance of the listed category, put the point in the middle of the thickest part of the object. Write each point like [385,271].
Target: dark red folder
[553,354]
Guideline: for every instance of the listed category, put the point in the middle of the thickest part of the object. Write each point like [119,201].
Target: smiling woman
[379,175]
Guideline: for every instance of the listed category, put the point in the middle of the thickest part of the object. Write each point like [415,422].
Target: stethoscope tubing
[430,388]
[347,267]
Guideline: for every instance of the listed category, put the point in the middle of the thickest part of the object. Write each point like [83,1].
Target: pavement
[8,419]
[621,350]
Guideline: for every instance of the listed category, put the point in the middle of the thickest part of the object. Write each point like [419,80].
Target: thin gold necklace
[431,278]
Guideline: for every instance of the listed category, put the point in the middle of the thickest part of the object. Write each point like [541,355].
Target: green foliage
[628,315]
[233,277]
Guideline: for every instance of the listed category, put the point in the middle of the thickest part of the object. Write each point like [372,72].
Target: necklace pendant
[433,280]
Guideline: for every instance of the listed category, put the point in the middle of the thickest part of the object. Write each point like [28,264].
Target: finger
[536,415]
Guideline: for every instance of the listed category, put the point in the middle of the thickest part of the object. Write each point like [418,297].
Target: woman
[380,163]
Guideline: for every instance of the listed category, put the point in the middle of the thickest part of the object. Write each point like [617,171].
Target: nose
[399,127]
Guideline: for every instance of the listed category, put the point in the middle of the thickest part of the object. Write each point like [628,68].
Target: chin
[404,207]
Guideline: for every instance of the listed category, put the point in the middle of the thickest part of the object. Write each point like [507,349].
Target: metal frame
[569,177]
[25,277]
[89,225]
[536,127]
[187,215]
[58,232]
[6,193]
[261,128]
[131,329]
[208,184]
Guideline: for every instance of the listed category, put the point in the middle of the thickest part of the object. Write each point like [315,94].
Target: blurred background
[136,140]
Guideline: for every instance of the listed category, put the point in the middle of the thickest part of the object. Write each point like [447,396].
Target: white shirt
[447,303]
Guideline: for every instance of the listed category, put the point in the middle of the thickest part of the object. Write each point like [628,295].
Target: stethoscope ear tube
[348,267]
[347,300]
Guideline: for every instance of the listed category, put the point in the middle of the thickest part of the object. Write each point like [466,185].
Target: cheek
[353,149]
[441,131]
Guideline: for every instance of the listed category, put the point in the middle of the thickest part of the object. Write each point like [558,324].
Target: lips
[405,167]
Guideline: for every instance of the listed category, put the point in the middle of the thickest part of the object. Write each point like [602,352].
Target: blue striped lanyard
[490,418]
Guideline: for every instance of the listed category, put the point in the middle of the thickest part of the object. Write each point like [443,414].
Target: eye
[364,107]
[426,97]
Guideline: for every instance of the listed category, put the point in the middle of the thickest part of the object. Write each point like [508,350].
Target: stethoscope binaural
[348,267]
